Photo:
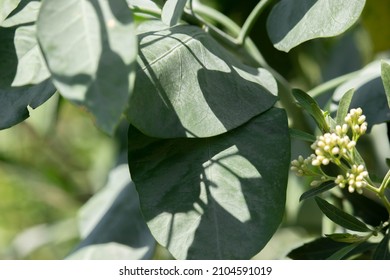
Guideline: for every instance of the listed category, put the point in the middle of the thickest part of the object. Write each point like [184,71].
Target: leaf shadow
[211,198]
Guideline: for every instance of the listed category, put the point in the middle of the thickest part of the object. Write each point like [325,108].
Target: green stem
[251,20]
[331,84]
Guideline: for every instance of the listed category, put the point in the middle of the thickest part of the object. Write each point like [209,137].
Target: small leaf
[346,237]
[386,79]
[318,190]
[291,23]
[340,217]
[200,195]
[317,249]
[301,135]
[6,7]
[343,107]
[340,254]
[91,54]
[311,106]
[172,11]
[382,250]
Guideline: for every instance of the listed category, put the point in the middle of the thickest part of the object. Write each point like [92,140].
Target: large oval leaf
[291,23]
[191,87]
[6,7]
[214,198]
[90,48]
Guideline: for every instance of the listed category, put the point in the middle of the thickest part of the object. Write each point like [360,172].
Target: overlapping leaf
[6,7]
[369,94]
[172,11]
[90,48]
[189,86]
[291,23]
[202,196]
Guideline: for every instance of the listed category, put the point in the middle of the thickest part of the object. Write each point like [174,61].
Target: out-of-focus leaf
[172,11]
[90,48]
[340,217]
[382,251]
[291,23]
[6,7]
[343,108]
[301,135]
[346,237]
[14,103]
[311,107]
[369,94]
[385,73]
[318,190]
[112,217]
[199,196]
[191,86]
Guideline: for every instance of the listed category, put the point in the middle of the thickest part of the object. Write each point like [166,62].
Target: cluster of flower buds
[337,147]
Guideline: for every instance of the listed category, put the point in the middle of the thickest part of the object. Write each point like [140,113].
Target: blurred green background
[51,164]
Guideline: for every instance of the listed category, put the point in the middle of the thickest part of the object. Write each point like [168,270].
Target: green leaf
[6,7]
[291,23]
[191,87]
[340,217]
[14,102]
[301,135]
[90,54]
[112,216]
[311,106]
[172,11]
[346,237]
[385,73]
[318,190]
[382,250]
[343,252]
[22,60]
[25,14]
[369,94]
[343,107]
[318,249]
[202,196]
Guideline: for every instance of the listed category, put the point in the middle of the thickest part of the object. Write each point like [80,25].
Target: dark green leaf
[6,7]
[14,102]
[382,251]
[172,11]
[340,217]
[369,94]
[370,211]
[91,54]
[385,73]
[199,196]
[343,252]
[301,135]
[318,190]
[191,87]
[343,107]
[112,217]
[318,249]
[291,23]
[346,237]
[311,106]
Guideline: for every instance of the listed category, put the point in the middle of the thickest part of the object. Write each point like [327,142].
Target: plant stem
[251,20]
[331,84]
